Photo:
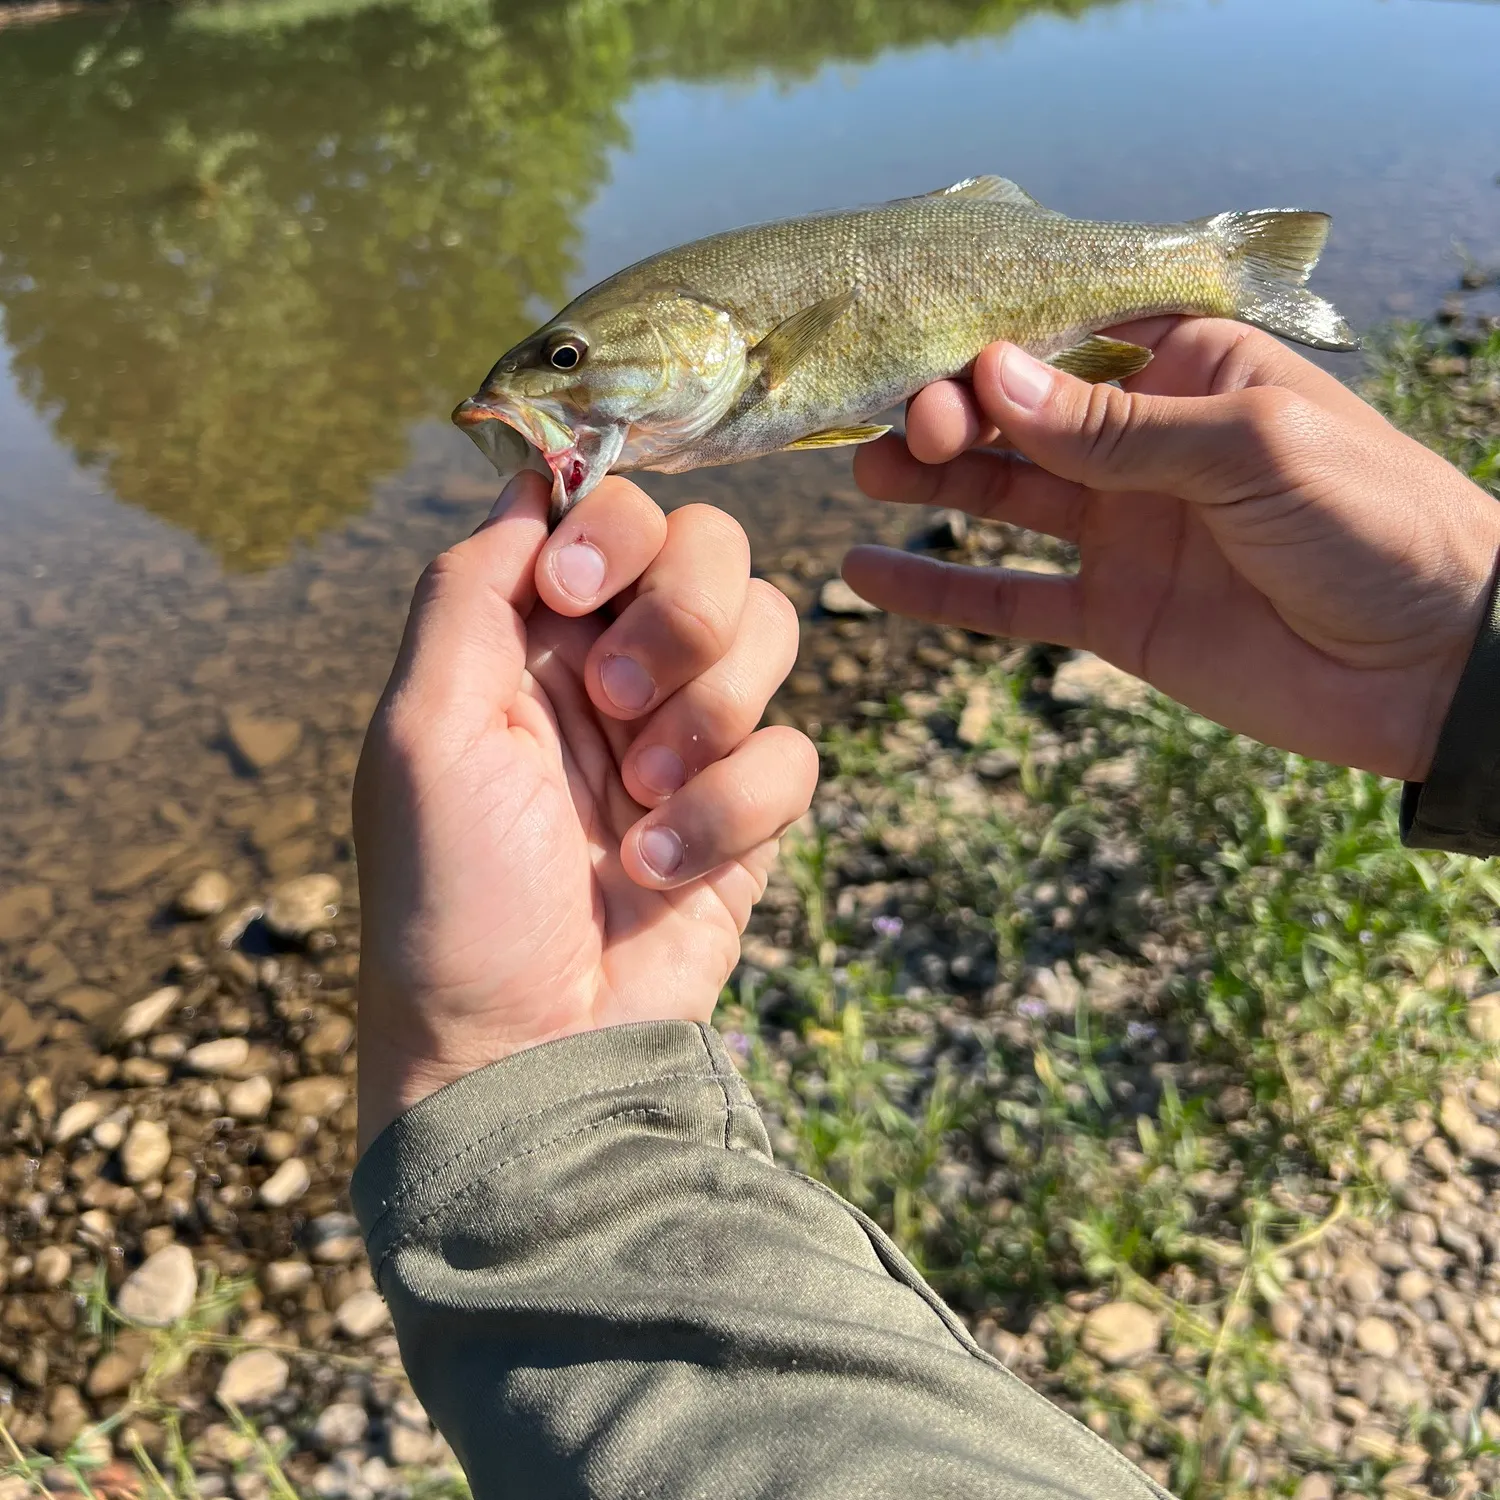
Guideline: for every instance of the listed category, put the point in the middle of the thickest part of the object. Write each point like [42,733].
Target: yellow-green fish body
[798,333]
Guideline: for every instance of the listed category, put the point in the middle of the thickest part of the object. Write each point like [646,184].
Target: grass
[86,1469]
[1264,987]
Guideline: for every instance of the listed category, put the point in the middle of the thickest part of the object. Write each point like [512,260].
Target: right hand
[1255,540]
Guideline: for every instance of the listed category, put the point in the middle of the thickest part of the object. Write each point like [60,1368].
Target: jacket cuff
[1457,809]
[435,1152]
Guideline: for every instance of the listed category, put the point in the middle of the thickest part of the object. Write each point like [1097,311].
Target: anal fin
[838,437]
[1098,358]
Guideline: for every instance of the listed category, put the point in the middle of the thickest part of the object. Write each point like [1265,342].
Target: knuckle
[714,528]
[1108,420]
[700,624]
[1279,427]
[782,623]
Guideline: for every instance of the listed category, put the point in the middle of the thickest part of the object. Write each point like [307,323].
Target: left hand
[563,813]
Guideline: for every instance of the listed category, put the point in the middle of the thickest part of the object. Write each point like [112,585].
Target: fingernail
[579,570]
[662,850]
[508,494]
[1026,381]
[661,770]
[627,684]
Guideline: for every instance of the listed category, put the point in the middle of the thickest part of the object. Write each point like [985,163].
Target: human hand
[1255,540]
[563,819]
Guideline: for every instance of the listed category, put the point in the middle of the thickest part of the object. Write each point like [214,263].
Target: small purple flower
[1137,1033]
[737,1042]
[888,927]
[1032,1009]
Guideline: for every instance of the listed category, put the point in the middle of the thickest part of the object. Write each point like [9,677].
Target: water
[250,255]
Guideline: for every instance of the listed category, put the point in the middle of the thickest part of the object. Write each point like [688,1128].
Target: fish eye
[567,353]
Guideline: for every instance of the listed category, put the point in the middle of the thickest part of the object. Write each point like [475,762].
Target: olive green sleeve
[604,1287]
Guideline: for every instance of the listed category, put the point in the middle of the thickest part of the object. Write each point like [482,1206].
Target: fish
[799,334]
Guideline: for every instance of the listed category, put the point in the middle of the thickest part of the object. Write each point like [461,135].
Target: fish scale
[799,332]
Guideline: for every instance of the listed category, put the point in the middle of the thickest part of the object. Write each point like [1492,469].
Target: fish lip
[537,428]
[519,415]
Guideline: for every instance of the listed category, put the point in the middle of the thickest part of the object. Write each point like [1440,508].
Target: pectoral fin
[838,437]
[793,339]
[1098,358]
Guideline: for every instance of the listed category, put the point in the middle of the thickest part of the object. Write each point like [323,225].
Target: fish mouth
[515,434]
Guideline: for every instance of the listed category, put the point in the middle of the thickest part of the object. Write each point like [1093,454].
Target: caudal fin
[1273,251]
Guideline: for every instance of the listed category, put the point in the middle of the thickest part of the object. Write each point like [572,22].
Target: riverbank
[1176,1075]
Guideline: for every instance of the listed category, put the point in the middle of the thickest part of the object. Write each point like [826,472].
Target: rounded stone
[1121,1332]
[53,1266]
[286,1184]
[250,1099]
[222,1055]
[300,907]
[161,1289]
[145,1152]
[1376,1336]
[340,1425]
[252,1378]
[362,1314]
[144,1016]
[77,1118]
[837,598]
[206,895]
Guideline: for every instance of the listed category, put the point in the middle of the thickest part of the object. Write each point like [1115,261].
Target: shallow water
[250,255]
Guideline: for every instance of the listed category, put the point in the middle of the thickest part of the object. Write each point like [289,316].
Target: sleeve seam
[404,1195]
[713,1063]
[643,1112]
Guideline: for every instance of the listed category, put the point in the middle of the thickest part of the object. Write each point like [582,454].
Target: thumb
[464,649]
[1208,449]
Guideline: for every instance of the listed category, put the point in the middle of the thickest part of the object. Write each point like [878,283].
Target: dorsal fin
[992,189]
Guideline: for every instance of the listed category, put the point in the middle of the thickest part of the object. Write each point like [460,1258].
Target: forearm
[604,1287]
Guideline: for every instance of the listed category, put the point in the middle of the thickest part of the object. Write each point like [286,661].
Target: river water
[251,255]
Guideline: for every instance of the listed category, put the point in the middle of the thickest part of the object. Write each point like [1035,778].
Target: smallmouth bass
[795,334]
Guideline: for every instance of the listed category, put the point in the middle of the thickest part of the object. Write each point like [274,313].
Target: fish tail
[1271,253]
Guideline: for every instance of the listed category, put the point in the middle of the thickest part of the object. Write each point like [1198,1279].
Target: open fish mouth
[516,435]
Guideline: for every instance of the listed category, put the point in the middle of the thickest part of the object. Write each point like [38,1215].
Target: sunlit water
[251,255]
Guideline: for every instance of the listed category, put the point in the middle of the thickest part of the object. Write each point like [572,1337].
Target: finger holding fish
[681,618]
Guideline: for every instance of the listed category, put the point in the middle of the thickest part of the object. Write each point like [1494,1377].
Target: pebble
[302,906]
[24,911]
[206,895]
[1120,1333]
[1315,1487]
[109,1133]
[252,1378]
[146,1150]
[112,1373]
[1086,678]
[286,1184]
[161,1289]
[282,1277]
[362,1314]
[340,1425]
[250,1099]
[1483,1017]
[260,743]
[144,1016]
[334,1238]
[77,1118]
[315,1097]
[1376,1336]
[408,1434]
[837,598]
[53,1266]
[224,1054]
[1412,1286]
